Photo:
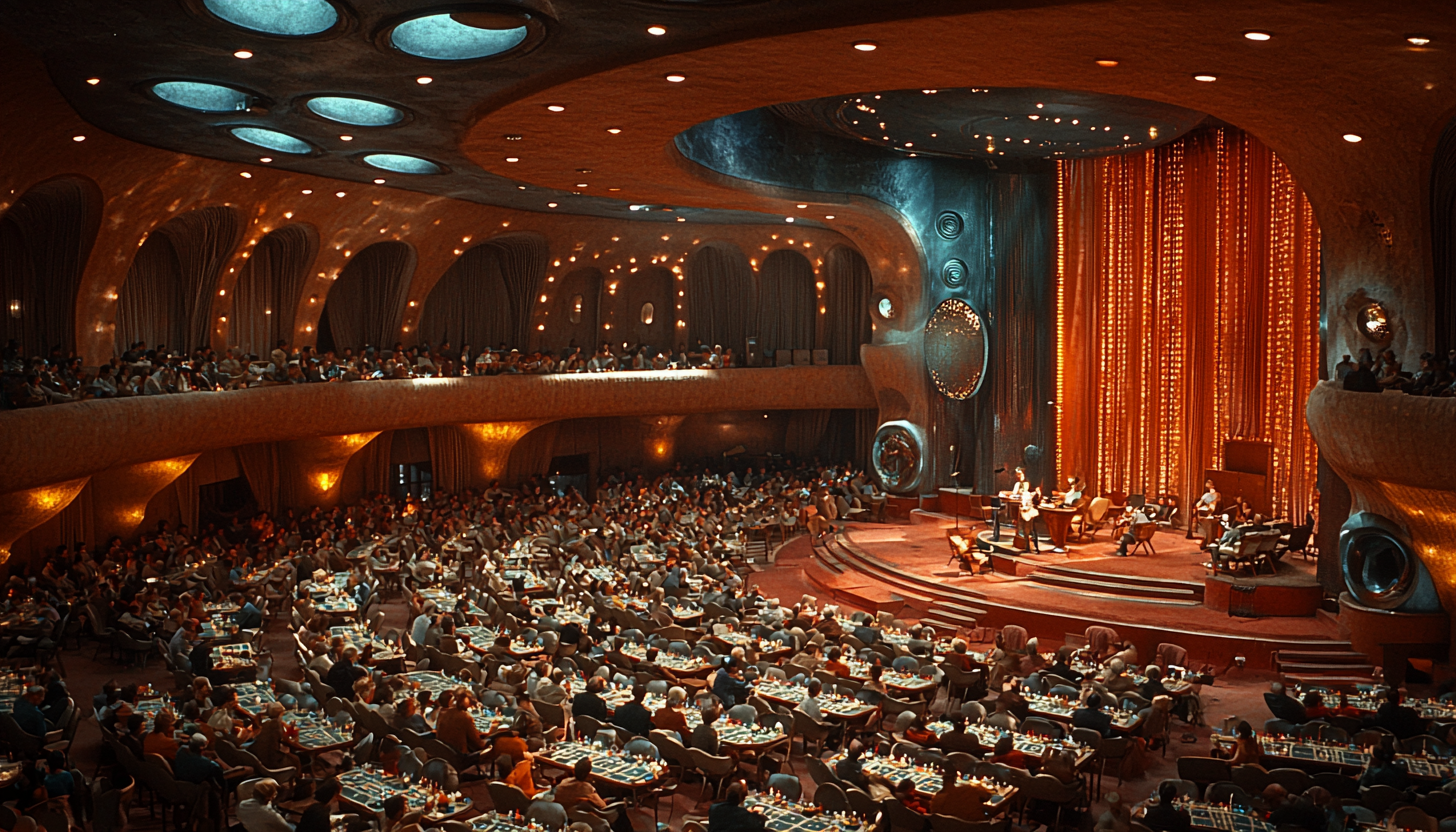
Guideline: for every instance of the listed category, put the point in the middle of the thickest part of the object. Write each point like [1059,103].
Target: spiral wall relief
[949,225]
[954,272]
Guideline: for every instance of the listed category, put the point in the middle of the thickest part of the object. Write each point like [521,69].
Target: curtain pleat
[186,486]
[1443,240]
[167,296]
[471,304]
[804,430]
[269,289]
[374,463]
[45,238]
[1188,314]
[720,297]
[847,288]
[260,467]
[786,308]
[523,260]
[449,459]
[366,305]
[532,455]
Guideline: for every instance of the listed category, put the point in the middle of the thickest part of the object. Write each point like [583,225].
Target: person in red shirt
[1005,753]
[960,657]
[1345,708]
[1314,705]
[919,734]
[834,665]
[905,793]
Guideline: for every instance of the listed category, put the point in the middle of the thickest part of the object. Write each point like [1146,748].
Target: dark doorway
[412,479]
[572,471]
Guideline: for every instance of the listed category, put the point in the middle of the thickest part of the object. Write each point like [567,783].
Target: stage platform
[1149,599]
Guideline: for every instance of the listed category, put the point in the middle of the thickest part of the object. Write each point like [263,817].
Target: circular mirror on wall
[955,349]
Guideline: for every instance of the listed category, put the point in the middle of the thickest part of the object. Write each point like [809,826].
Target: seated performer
[1139,517]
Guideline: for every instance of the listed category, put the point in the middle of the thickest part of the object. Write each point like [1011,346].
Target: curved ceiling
[982,123]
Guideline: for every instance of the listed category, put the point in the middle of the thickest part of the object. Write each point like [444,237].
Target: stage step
[1332,655]
[1337,666]
[828,560]
[921,516]
[1116,596]
[1328,669]
[1327,681]
[1107,586]
[1130,580]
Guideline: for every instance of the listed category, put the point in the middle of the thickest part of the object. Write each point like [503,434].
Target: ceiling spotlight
[614,130]
[513,158]
[1352,138]
[1257,35]
[78,138]
[550,205]
[379,181]
[1107,62]
[246,175]
[555,108]
[340,194]
[656,30]
[866,45]
[828,216]
[346,138]
[93,81]
[582,185]
[1418,40]
[243,54]
[802,205]
[788,219]
[1205,78]
[676,79]
[265,159]
[423,79]
[307,191]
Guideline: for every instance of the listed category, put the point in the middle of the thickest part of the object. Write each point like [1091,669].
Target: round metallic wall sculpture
[1381,568]
[949,225]
[954,272]
[955,349]
[896,456]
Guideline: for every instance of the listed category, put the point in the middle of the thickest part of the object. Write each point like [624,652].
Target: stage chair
[1142,535]
[1089,522]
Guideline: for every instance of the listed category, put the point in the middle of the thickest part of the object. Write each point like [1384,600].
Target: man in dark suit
[730,816]
[1092,716]
[1164,816]
[632,715]
[590,701]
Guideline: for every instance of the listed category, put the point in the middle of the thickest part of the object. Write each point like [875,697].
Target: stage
[1149,599]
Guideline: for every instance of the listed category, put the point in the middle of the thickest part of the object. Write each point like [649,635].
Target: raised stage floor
[1149,599]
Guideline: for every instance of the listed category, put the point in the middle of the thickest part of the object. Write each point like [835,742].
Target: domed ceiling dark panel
[974,123]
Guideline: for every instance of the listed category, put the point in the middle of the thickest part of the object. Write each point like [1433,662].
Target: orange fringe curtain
[1187,313]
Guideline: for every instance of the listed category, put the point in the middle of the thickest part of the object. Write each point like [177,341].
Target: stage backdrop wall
[1187,313]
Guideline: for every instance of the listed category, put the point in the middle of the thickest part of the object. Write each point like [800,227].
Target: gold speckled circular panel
[955,349]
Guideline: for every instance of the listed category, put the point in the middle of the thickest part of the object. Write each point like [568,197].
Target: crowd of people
[154,371]
[1369,373]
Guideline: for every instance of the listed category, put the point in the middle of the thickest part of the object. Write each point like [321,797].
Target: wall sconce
[15,308]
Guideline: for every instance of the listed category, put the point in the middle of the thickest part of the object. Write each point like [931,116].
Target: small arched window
[576,309]
[647,314]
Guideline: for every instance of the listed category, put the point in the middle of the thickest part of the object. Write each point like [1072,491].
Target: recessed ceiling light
[550,205]
[379,181]
[614,130]
[265,159]
[78,138]
[340,194]
[788,219]
[1257,35]
[243,54]
[307,191]
[246,175]
[1205,78]
[346,138]
[555,108]
[656,30]
[423,79]
[866,45]
[828,216]
[1418,40]
[1108,62]
[513,158]
[1352,138]
[93,81]
[582,185]
[802,205]
[677,79]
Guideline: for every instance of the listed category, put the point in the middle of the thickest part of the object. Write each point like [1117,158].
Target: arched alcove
[571,308]
[267,293]
[626,299]
[45,238]
[485,297]
[1443,240]
[366,304]
[720,297]
[847,288]
[167,296]
[786,309]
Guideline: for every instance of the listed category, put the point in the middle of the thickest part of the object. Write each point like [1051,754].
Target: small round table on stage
[1059,523]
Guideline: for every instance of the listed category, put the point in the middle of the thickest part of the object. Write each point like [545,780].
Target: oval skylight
[292,18]
[272,139]
[202,97]
[399,163]
[441,37]
[356,111]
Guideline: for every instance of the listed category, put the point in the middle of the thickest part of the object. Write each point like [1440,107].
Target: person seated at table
[317,817]
[1345,708]
[835,666]
[1314,705]
[342,675]
[1063,666]
[1384,769]
[1060,763]
[1002,717]
[192,765]
[670,717]
[922,642]
[1301,812]
[228,718]
[905,793]
[508,743]
[959,656]
[705,736]
[1165,816]
[577,791]
[1247,749]
[390,752]
[456,727]
[1402,721]
[1006,753]
[1153,687]
[729,814]
[257,813]
[729,686]
[590,702]
[1115,679]
[271,744]
[958,738]
[248,616]
[917,733]
[396,817]
[160,740]
[959,799]
[27,713]
[632,715]
[180,647]
[1091,715]
[520,775]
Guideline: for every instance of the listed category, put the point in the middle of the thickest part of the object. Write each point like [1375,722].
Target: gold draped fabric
[1187,314]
